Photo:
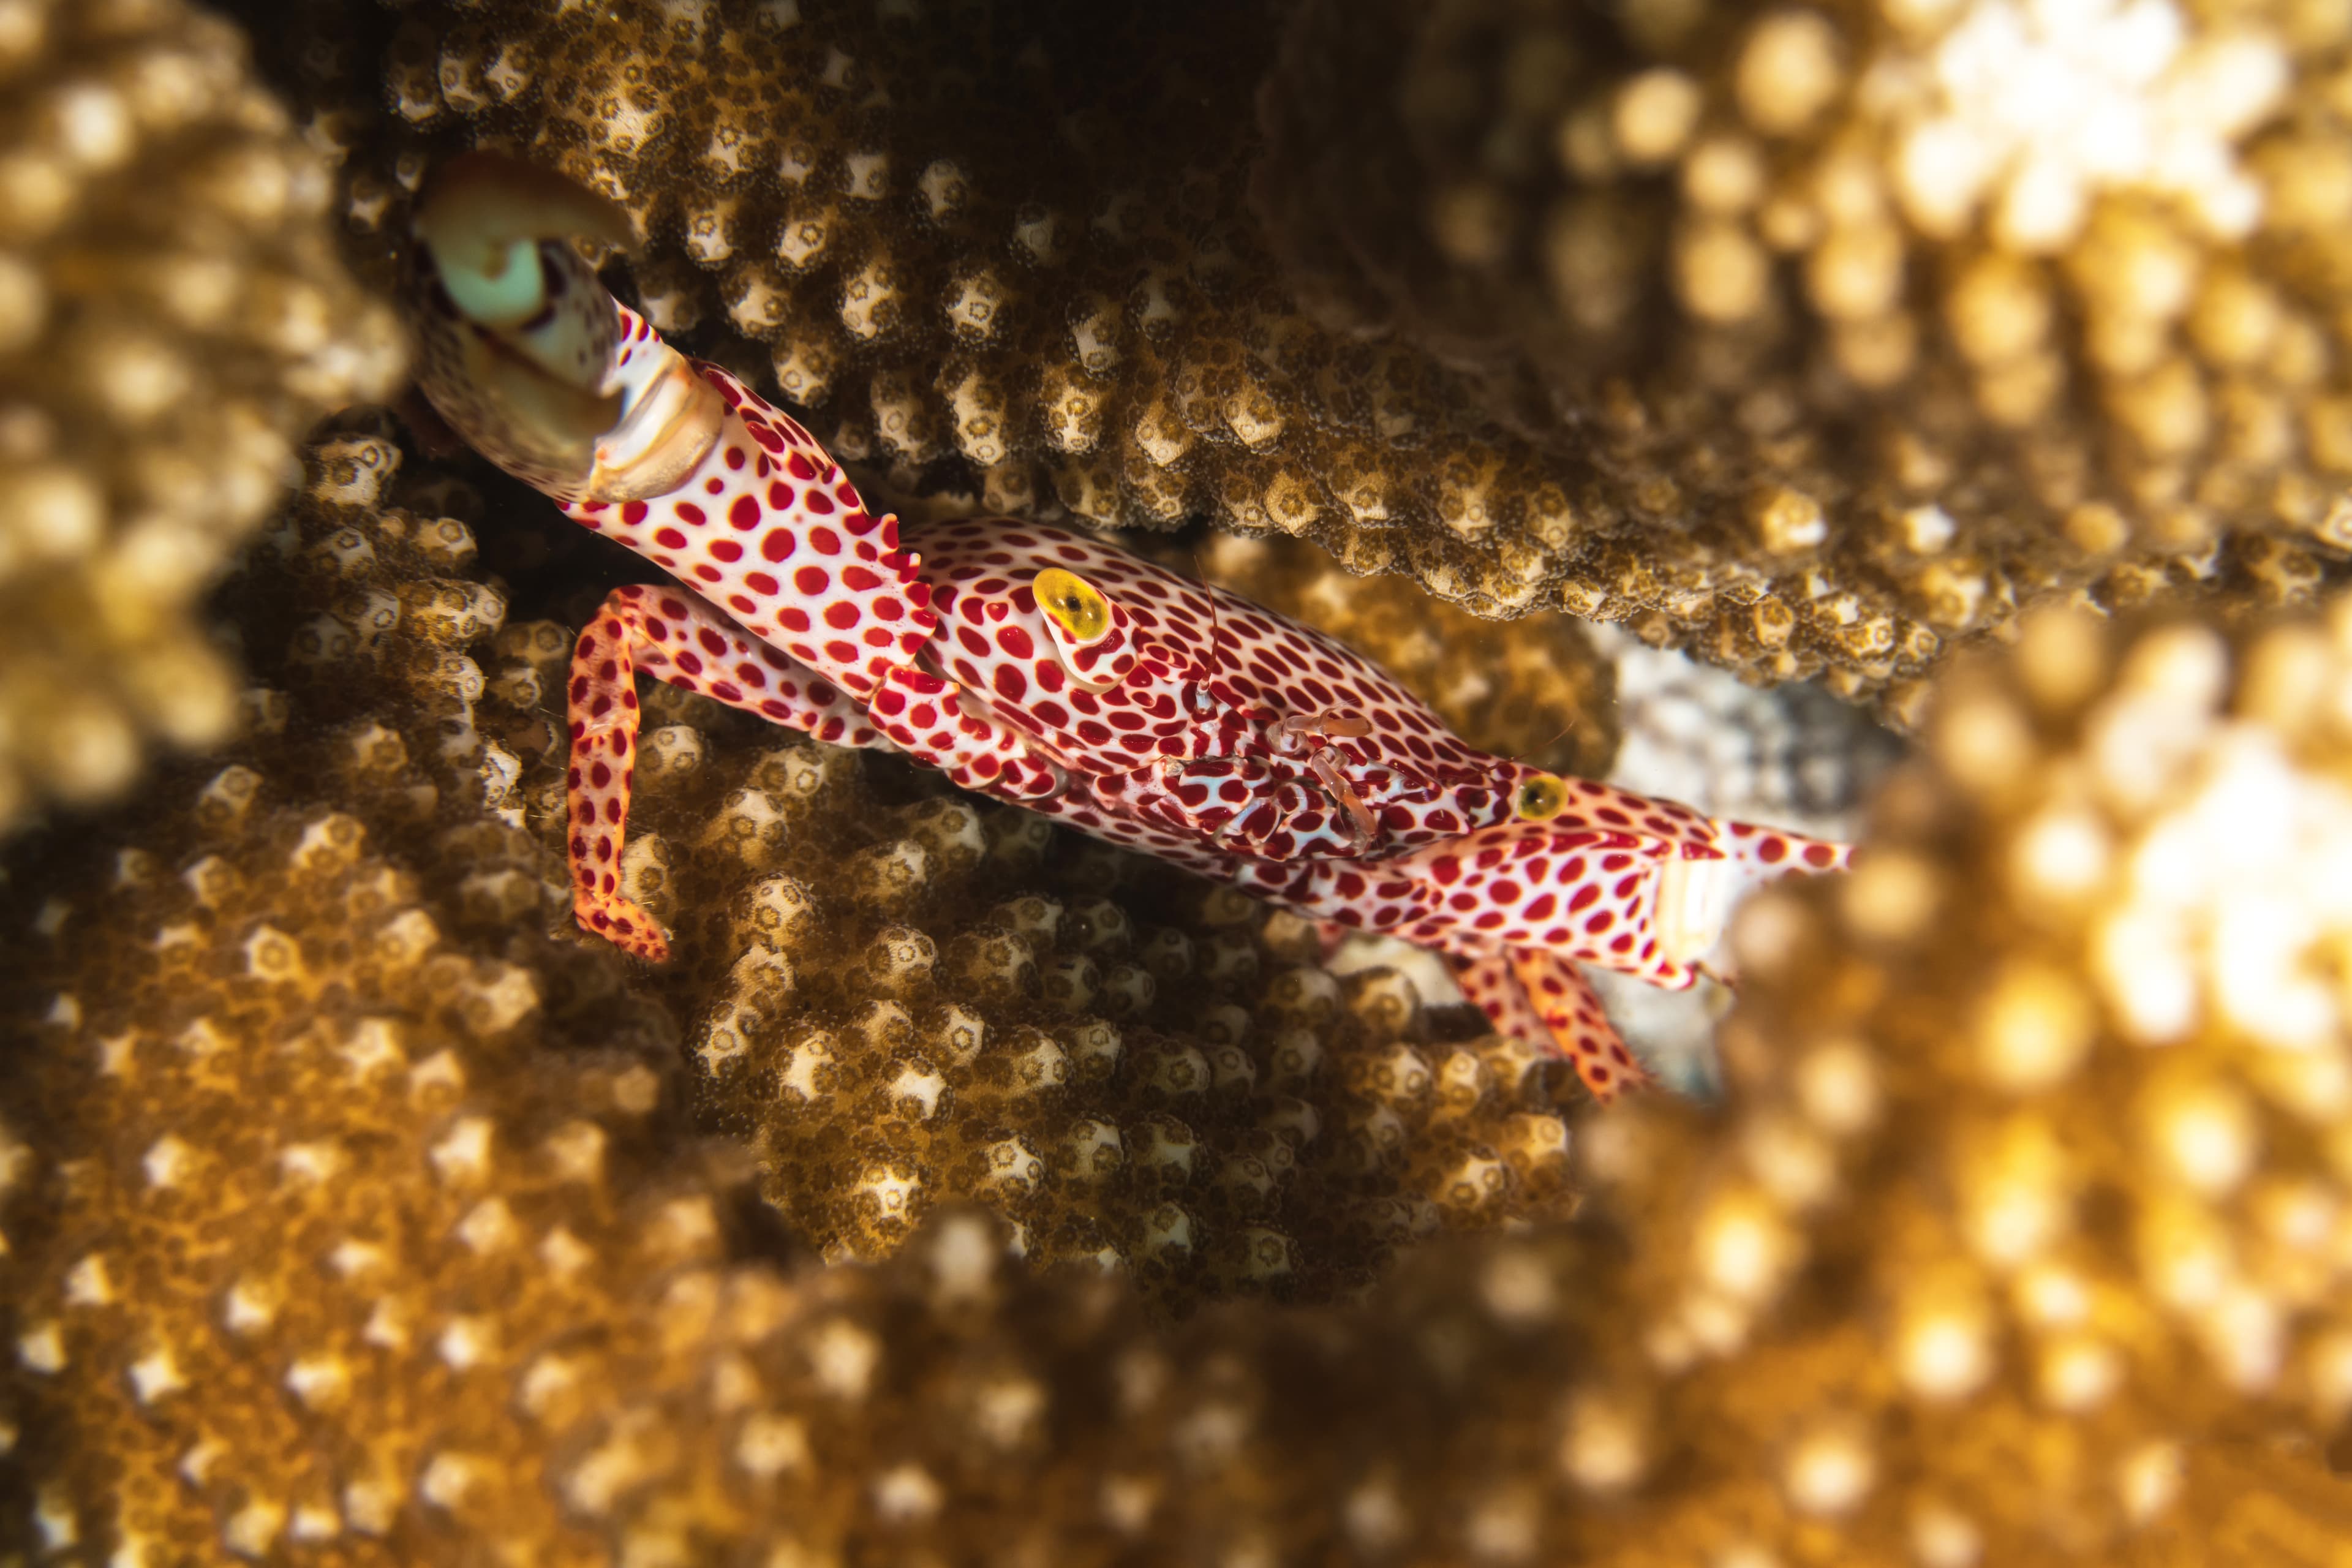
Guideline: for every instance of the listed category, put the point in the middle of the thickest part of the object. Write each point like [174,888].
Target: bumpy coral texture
[900,996]
[172,314]
[1001,243]
[354,1216]
[333,1138]
[2029,1209]
[1702,364]
[901,1005]
[1878,319]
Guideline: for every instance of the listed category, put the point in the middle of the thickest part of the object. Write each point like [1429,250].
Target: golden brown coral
[897,1004]
[1007,250]
[350,1213]
[2032,1184]
[902,1005]
[315,1138]
[2021,1238]
[1064,308]
[900,996]
[171,315]
[336,985]
[1891,317]
[1004,248]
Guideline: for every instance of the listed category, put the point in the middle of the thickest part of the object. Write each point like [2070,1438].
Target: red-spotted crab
[1025,662]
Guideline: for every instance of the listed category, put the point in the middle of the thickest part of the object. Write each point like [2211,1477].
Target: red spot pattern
[1207,730]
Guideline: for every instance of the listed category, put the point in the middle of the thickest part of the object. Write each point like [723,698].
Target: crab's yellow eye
[1541,797]
[1076,604]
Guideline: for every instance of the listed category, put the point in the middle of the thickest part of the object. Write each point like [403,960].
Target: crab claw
[482,217]
[524,353]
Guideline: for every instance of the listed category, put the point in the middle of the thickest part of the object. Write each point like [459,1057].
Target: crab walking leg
[1488,984]
[678,637]
[1535,996]
[604,720]
[1515,909]
[1576,1021]
[1532,994]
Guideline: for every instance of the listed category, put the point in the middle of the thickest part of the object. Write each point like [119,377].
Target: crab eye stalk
[1074,604]
[1541,798]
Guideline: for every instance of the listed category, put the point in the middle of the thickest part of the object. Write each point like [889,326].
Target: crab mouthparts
[1694,900]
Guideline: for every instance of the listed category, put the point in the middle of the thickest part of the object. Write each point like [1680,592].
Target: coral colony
[1028,663]
[1802,337]
[992,1140]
